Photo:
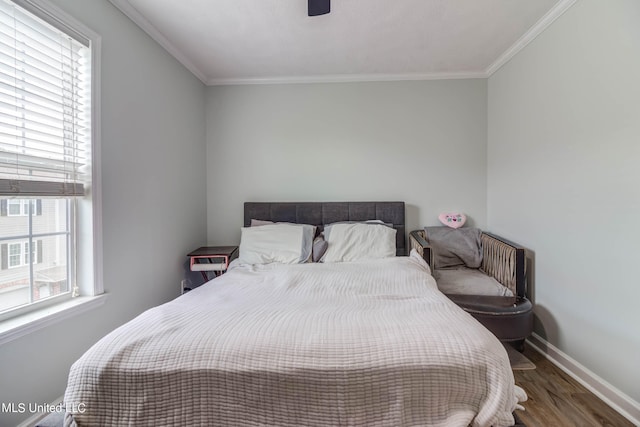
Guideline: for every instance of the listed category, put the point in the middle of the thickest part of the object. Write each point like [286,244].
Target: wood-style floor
[556,399]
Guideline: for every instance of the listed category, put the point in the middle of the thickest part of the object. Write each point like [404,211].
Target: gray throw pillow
[319,248]
[455,247]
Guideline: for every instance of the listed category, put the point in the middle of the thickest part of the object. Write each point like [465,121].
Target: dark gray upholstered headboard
[321,213]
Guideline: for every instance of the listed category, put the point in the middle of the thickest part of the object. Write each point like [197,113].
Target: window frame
[24,255]
[88,209]
[12,254]
[13,204]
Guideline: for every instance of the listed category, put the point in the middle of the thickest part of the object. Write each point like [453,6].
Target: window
[22,207]
[15,255]
[47,148]
[21,253]
[16,207]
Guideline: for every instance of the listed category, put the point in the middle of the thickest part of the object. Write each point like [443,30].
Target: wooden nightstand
[212,258]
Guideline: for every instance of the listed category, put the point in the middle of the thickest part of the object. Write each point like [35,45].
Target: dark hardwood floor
[556,399]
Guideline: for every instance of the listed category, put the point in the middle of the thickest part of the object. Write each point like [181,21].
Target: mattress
[361,343]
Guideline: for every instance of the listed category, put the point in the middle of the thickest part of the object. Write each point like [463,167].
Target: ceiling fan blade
[319,7]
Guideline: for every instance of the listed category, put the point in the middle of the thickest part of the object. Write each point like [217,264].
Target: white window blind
[45,107]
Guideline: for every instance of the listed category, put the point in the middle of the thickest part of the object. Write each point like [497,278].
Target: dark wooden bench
[509,318]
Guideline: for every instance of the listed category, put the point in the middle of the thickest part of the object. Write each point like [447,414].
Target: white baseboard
[625,405]
[33,419]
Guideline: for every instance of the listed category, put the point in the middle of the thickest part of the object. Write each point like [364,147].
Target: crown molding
[544,22]
[345,78]
[132,13]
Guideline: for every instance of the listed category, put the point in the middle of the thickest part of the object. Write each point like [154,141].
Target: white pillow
[355,242]
[283,243]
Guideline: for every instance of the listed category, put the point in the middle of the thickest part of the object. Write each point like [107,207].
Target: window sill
[20,326]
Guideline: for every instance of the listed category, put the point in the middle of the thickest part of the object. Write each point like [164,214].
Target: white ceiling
[266,41]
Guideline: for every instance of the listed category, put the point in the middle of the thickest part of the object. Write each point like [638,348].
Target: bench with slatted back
[510,318]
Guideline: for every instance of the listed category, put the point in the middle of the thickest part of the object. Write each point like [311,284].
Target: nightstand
[212,258]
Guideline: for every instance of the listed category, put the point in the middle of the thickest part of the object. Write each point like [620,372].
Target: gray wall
[562,124]
[154,209]
[563,179]
[420,142]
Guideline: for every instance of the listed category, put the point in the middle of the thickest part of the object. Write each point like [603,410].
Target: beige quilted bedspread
[348,344]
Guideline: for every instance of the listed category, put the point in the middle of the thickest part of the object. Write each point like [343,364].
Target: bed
[363,342]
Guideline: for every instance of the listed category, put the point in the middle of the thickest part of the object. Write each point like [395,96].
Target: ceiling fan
[319,7]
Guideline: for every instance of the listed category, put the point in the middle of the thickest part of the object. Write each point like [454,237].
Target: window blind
[45,82]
